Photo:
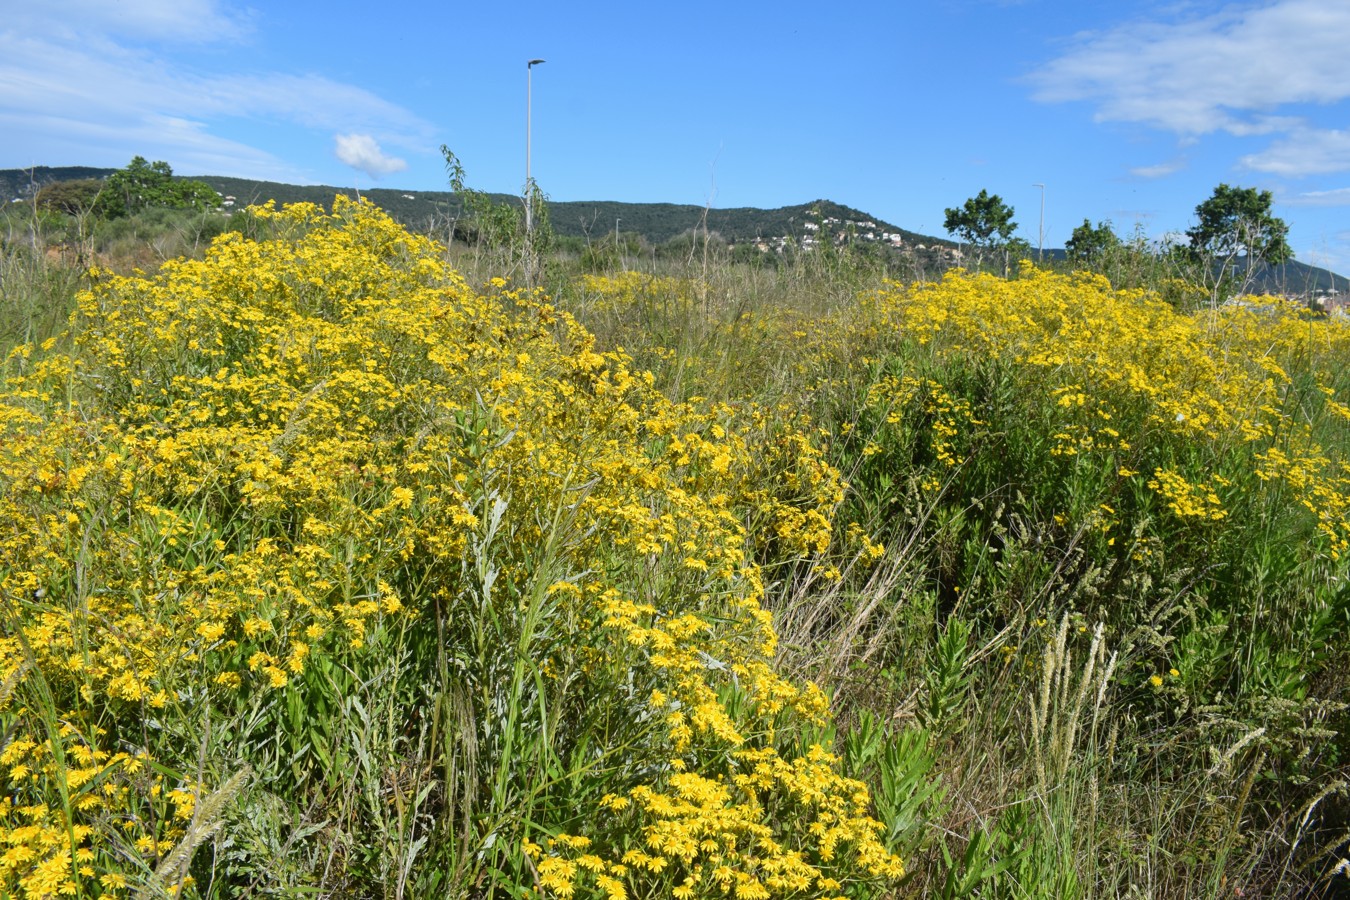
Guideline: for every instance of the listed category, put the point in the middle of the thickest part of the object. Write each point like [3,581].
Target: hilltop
[655,222]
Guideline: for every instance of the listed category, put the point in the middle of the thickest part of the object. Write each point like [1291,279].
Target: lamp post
[1040,234]
[529,184]
[529,181]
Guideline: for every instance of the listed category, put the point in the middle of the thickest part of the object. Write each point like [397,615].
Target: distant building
[1333,303]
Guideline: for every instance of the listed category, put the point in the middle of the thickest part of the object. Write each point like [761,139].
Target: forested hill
[21,184]
[434,211]
[656,222]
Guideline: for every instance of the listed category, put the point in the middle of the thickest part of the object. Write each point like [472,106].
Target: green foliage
[611,253]
[142,185]
[1192,587]
[160,233]
[901,766]
[1235,239]
[1238,222]
[42,265]
[73,198]
[540,235]
[1090,245]
[38,296]
[692,245]
[498,227]
[948,682]
[983,220]
[486,221]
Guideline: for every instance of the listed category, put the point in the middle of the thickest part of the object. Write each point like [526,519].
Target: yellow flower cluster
[1233,378]
[765,828]
[1187,500]
[42,851]
[286,451]
[952,417]
[636,295]
[793,487]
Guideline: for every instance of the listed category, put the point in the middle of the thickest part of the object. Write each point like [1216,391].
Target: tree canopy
[1090,243]
[1237,222]
[985,220]
[74,198]
[144,184]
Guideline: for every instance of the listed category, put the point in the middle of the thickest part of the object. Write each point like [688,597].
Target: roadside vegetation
[340,562]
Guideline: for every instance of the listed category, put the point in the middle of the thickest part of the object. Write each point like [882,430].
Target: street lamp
[529,199]
[1040,234]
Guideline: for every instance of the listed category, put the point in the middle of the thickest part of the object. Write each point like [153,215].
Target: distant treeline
[594,220]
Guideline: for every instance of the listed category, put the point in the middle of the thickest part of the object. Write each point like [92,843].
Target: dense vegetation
[336,562]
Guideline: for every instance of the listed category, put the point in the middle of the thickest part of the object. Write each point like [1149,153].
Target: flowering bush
[265,477]
[1122,365]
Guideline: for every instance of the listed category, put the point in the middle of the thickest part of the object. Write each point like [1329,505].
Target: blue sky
[1129,112]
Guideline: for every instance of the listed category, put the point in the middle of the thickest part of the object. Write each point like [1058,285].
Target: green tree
[1236,222]
[74,198]
[984,221]
[144,185]
[1090,245]
[1234,234]
[189,193]
[1019,248]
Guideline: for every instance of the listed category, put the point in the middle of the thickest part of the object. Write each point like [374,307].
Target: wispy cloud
[1334,197]
[194,21]
[62,84]
[1225,71]
[362,152]
[1306,151]
[1160,170]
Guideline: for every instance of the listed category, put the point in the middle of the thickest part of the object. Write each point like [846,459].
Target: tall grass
[1110,593]
[38,281]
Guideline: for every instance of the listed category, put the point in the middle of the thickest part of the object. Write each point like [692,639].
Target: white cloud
[1161,170]
[1306,151]
[74,92]
[310,100]
[176,20]
[1335,197]
[1229,71]
[362,152]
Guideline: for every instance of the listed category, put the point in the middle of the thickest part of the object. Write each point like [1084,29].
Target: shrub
[307,535]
